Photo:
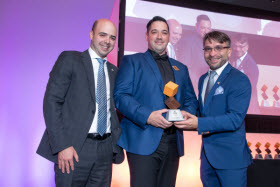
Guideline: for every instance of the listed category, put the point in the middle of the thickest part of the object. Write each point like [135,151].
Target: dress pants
[94,168]
[158,169]
[212,177]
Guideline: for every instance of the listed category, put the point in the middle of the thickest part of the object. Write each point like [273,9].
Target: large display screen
[255,46]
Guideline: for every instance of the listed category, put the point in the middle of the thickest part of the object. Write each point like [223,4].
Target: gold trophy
[258,155]
[267,156]
[173,114]
[277,155]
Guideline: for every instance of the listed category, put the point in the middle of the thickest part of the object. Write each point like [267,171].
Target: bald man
[175,36]
[81,121]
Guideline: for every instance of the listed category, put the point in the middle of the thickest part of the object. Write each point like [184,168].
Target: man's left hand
[190,122]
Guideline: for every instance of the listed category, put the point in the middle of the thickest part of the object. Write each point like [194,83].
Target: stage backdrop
[32,35]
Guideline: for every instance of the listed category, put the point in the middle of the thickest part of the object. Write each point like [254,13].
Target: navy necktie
[101,99]
[210,84]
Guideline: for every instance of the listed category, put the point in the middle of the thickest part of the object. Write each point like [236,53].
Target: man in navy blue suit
[153,144]
[224,97]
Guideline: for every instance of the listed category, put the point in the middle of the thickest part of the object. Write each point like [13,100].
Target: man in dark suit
[224,97]
[82,127]
[191,53]
[245,63]
[153,145]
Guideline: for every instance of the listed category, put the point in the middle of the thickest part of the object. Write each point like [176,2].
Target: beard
[216,65]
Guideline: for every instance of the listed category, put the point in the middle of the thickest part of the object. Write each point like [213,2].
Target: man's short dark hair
[242,38]
[94,25]
[217,36]
[156,18]
[202,17]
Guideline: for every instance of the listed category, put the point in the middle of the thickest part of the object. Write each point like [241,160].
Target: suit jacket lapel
[243,63]
[217,84]
[89,71]
[176,77]
[111,71]
[200,87]
[153,66]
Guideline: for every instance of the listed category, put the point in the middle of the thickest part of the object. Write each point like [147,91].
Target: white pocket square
[219,90]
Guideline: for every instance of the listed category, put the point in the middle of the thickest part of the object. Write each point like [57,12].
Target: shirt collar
[93,54]
[156,56]
[241,58]
[219,70]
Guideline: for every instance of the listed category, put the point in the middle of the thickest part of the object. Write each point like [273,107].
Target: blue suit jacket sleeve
[237,100]
[190,101]
[123,95]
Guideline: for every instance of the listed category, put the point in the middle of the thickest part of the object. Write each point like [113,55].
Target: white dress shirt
[95,64]
[171,51]
[219,72]
[239,61]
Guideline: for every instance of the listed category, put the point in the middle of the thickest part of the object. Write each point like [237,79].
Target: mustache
[214,57]
[158,39]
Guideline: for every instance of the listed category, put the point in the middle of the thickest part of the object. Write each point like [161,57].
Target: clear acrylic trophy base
[277,157]
[277,104]
[259,156]
[174,115]
[266,103]
[268,156]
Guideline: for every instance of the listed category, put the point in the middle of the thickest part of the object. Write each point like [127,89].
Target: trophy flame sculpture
[258,155]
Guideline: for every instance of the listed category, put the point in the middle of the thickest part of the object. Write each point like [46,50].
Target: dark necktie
[101,99]
[210,84]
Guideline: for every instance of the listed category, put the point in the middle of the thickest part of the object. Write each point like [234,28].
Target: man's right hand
[156,119]
[65,159]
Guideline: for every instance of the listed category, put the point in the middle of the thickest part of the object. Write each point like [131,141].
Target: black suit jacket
[69,106]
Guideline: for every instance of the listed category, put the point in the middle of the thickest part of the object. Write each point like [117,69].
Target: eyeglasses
[217,48]
[240,45]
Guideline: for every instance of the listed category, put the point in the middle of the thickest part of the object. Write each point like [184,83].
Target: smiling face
[158,37]
[216,59]
[240,48]
[103,37]
[203,27]
[175,31]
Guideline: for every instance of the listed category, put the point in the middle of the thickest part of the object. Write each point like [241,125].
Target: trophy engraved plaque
[259,152]
[267,156]
[173,114]
[277,155]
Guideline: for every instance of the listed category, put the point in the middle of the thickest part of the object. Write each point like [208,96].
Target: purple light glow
[33,33]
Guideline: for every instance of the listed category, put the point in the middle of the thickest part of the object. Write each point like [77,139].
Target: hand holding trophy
[173,114]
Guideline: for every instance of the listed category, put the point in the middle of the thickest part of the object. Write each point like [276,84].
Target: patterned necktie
[210,84]
[101,99]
